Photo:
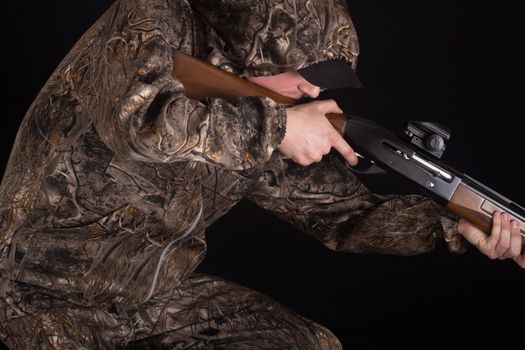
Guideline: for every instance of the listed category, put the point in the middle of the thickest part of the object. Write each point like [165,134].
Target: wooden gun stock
[201,80]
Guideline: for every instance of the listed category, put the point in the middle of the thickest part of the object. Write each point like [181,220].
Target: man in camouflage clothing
[115,174]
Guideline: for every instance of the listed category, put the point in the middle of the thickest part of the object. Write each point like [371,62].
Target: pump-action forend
[414,154]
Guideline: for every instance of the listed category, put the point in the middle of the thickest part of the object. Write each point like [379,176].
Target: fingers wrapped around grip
[309,134]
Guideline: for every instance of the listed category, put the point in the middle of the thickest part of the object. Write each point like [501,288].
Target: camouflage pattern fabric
[115,175]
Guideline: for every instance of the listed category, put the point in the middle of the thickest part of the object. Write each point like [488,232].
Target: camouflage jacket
[115,173]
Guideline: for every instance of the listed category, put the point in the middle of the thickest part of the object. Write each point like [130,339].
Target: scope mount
[430,137]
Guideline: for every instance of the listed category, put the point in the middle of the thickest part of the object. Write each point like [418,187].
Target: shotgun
[414,154]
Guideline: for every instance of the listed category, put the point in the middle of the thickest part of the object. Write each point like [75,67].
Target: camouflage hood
[253,37]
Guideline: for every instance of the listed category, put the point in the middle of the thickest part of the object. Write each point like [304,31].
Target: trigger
[366,167]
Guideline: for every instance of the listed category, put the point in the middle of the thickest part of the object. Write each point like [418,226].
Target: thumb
[330,106]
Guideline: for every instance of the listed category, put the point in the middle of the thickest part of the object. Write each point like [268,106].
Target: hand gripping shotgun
[414,154]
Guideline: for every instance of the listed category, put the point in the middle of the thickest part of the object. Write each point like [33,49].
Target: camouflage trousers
[203,313]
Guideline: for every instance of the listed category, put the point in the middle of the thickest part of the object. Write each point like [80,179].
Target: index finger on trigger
[344,149]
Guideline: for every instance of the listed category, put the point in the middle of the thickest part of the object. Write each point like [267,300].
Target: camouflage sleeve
[141,111]
[327,201]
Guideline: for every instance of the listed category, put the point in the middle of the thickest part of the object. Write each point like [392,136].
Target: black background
[456,62]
